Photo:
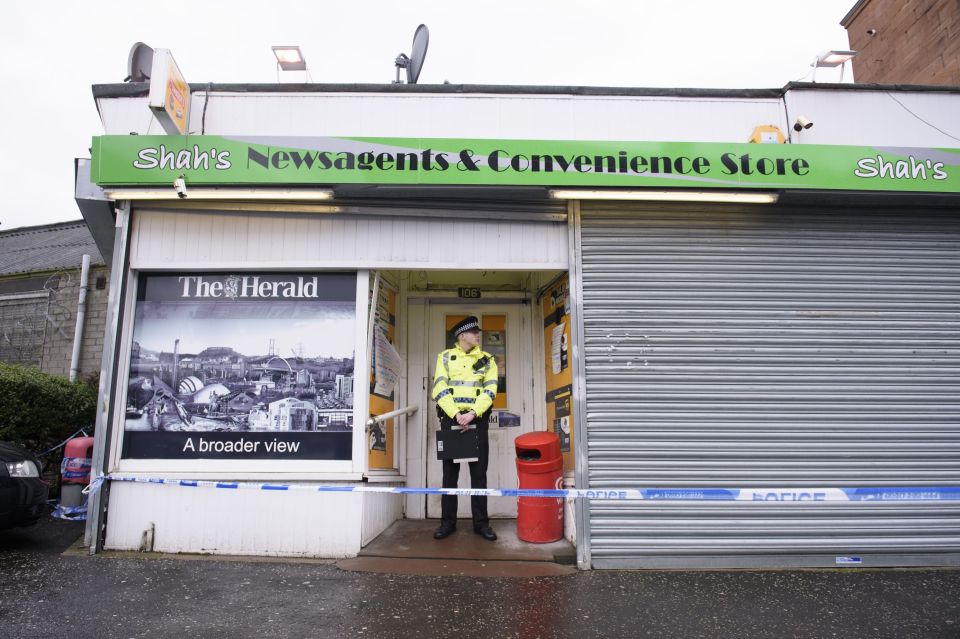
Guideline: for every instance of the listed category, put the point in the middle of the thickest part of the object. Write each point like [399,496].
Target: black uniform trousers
[478,477]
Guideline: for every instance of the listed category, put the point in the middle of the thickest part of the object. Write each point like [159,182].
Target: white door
[504,337]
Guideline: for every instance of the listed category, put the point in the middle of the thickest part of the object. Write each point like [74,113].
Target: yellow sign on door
[380,439]
[558,367]
[494,341]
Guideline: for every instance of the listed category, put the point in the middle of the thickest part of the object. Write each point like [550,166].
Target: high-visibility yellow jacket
[465,381]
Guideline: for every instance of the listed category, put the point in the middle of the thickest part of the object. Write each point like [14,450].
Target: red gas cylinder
[77,457]
[539,466]
[75,470]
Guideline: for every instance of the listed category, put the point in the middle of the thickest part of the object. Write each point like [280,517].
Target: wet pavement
[44,593]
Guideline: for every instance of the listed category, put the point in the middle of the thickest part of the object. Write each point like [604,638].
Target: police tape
[70,513]
[907,493]
[75,468]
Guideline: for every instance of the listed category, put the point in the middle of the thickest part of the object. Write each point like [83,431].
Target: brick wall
[62,321]
[916,42]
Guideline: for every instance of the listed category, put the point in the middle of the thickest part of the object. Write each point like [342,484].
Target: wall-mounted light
[835,58]
[180,186]
[832,58]
[802,123]
[218,193]
[738,197]
[290,58]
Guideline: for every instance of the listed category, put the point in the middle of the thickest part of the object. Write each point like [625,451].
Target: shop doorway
[526,320]
[507,337]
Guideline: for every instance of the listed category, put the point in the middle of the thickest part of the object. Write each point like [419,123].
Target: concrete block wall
[62,321]
[916,42]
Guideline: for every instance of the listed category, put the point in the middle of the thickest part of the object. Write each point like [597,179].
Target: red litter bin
[539,466]
[75,470]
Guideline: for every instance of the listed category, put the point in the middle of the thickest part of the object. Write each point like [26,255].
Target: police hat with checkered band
[465,325]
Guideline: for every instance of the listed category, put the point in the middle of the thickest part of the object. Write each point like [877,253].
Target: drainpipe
[81,316]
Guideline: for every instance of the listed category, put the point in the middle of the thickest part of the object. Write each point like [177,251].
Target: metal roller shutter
[771,348]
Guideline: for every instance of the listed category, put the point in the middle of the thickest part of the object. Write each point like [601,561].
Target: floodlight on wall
[832,59]
[731,197]
[290,58]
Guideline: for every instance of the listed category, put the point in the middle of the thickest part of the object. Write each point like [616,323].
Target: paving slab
[407,547]
[413,539]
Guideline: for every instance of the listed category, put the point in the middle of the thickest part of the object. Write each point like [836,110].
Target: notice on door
[557,371]
[387,363]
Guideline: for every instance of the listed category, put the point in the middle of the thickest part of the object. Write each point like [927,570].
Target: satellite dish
[413,64]
[140,63]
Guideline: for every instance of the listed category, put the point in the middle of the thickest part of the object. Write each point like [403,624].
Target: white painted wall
[523,116]
[235,522]
[379,511]
[187,240]
[876,118]
[846,116]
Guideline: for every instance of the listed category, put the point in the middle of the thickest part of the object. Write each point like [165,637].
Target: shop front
[231,366]
[744,335]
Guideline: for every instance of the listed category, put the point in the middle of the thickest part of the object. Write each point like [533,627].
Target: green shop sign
[226,160]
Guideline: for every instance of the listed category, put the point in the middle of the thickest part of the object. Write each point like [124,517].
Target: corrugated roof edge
[36,258]
[42,227]
[900,88]
[130,90]
[134,90]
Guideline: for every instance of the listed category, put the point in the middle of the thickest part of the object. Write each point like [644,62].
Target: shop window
[242,366]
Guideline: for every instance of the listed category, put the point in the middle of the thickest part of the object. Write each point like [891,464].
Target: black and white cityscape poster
[242,366]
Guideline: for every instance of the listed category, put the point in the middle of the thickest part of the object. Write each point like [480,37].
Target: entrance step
[408,547]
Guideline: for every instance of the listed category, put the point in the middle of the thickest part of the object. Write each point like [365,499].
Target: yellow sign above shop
[169,93]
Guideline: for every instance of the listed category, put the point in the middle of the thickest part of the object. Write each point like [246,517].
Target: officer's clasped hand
[464,419]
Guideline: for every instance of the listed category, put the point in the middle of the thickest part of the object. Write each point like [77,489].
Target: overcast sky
[53,51]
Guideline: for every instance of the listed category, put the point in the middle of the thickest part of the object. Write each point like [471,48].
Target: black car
[23,495]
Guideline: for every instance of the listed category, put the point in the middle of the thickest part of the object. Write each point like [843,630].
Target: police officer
[464,387]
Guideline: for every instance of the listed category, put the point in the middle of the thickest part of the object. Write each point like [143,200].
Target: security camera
[871,32]
[180,185]
[802,123]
